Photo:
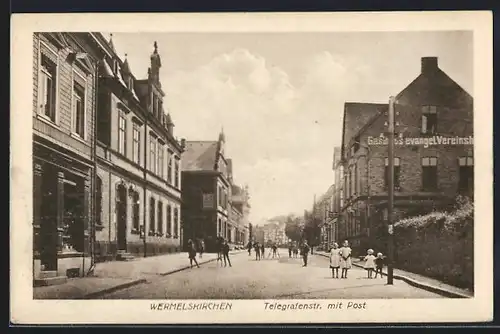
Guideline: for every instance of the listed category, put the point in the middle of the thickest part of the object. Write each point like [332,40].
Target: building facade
[433,155]
[138,183]
[208,210]
[64,99]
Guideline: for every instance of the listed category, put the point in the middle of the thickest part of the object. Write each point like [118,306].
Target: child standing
[379,264]
[335,260]
[345,259]
[370,263]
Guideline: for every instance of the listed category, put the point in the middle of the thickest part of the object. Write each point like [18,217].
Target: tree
[312,229]
[292,228]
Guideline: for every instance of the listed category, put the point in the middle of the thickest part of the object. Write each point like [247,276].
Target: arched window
[160,218]
[98,200]
[169,221]
[152,227]
[176,222]
[135,211]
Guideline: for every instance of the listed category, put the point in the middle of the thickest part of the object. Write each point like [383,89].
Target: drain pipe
[94,173]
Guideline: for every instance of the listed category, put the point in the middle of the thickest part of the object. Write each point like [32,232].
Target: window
[168,233]
[130,83]
[397,167]
[155,105]
[355,177]
[169,169]
[152,154]
[136,144]
[47,88]
[98,201]
[122,130]
[152,227]
[356,145]
[429,173]
[115,67]
[176,222]
[466,173]
[429,120]
[78,109]
[176,176]
[160,218]
[160,159]
[135,211]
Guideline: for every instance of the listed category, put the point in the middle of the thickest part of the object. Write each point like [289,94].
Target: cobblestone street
[282,278]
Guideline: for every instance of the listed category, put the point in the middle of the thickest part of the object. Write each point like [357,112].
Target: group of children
[341,258]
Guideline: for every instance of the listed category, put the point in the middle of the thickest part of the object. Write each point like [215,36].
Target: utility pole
[390,209]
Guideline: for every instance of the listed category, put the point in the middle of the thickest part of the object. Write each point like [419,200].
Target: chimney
[429,64]
[183,143]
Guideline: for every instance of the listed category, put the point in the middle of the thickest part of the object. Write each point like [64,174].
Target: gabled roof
[199,155]
[356,116]
[435,88]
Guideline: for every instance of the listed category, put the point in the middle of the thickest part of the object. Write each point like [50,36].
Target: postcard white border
[25,310]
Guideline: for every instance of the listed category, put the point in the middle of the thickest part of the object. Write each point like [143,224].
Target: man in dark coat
[305,253]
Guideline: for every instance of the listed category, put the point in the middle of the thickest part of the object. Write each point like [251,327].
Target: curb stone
[140,281]
[423,286]
[114,288]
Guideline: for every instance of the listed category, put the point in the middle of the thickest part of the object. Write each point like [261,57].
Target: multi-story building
[322,212]
[238,215]
[64,98]
[207,184]
[433,155]
[138,183]
[274,232]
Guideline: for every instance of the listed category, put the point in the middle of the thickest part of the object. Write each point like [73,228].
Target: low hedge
[439,245]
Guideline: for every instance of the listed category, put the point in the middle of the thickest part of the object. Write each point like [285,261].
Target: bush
[439,244]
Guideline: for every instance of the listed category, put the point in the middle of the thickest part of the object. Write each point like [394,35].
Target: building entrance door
[121,212]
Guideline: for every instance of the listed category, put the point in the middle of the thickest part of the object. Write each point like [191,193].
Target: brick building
[208,210]
[138,184]
[64,82]
[433,155]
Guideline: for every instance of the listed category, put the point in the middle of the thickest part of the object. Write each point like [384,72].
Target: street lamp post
[390,209]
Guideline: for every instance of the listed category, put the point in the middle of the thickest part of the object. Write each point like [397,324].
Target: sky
[279,96]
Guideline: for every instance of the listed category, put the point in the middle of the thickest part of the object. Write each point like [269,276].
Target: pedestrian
[225,253]
[379,264]
[295,251]
[249,247]
[275,249]
[290,250]
[305,253]
[202,248]
[345,259]
[335,260]
[262,251]
[370,262]
[257,251]
[219,243]
[192,253]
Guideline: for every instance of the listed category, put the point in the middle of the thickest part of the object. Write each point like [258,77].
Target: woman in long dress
[335,260]
[345,259]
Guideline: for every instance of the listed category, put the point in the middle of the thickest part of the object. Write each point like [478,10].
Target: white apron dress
[335,258]
[370,262]
[345,263]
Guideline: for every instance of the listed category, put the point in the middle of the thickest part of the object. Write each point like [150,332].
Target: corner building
[64,87]
[426,177]
[138,185]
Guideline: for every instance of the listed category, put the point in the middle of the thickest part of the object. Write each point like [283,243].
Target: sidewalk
[115,275]
[419,281]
